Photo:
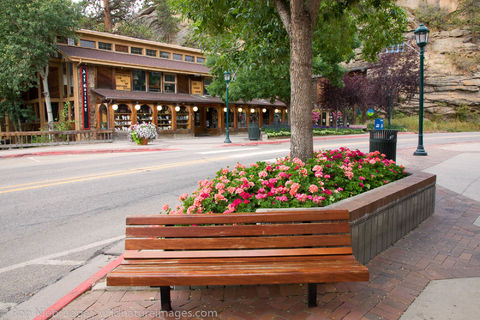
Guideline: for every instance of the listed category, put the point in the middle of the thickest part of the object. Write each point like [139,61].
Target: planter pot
[143,141]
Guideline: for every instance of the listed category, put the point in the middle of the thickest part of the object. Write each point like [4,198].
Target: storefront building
[104,81]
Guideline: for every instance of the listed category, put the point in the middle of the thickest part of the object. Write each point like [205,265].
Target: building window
[135,50]
[87,44]
[164,118]
[70,77]
[189,58]
[120,48]
[104,46]
[206,83]
[154,81]
[169,83]
[64,80]
[200,60]
[177,56]
[182,118]
[138,80]
[151,53]
[164,54]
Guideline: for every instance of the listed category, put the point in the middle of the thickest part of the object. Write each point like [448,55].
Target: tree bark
[299,20]
[46,94]
[107,15]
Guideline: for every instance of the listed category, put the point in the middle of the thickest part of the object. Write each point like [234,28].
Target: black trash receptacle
[384,141]
[253,131]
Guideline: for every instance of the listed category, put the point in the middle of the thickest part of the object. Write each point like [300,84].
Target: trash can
[384,141]
[253,131]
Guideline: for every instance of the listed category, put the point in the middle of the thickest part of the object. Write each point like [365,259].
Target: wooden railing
[50,138]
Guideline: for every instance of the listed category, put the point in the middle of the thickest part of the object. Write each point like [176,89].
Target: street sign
[378,124]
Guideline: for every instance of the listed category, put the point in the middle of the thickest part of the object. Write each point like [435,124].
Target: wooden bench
[238,249]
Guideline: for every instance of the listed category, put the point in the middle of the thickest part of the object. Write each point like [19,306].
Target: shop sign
[197,87]
[85,106]
[122,80]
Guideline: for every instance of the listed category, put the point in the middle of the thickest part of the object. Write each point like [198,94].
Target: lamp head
[227,76]
[421,35]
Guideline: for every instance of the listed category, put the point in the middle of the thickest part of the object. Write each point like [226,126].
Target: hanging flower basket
[142,133]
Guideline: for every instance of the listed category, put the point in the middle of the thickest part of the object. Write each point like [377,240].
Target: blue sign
[370,112]
[378,124]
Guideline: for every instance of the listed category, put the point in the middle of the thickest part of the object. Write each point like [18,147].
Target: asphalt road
[59,212]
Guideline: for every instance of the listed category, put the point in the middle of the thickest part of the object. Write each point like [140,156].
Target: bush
[328,177]
[273,133]
[434,17]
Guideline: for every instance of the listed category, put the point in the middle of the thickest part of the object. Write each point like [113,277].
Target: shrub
[328,177]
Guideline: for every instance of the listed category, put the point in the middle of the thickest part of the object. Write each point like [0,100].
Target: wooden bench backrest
[299,233]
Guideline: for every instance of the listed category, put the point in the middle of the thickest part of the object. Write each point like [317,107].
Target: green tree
[28,31]
[471,11]
[276,45]
[103,15]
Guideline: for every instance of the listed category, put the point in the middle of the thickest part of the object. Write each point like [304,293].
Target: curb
[56,153]
[80,289]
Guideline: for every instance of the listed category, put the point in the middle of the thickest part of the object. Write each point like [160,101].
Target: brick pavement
[445,246]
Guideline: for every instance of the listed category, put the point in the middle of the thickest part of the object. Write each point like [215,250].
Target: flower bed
[328,177]
[285,132]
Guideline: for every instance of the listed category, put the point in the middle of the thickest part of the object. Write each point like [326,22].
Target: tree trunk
[46,94]
[107,15]
[298,17]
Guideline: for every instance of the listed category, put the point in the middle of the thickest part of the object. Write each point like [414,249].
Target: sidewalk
[432,273]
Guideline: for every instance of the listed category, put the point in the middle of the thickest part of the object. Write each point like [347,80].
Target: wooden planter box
[380,217]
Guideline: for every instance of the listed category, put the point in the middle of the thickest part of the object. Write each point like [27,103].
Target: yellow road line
[56,182]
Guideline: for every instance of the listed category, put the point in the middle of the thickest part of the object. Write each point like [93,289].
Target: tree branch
[312,6]
[285,16]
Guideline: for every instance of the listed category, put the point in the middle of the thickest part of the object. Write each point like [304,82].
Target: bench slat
[240,273]
[215,218]
[238,243]
[235,260]
[239,230]
[155,254]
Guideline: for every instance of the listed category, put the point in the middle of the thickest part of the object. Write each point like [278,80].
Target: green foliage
[273,133]
[248,39]
[433,16]
[466,62]
[439,125]
[133,28]
[63,123]
[28,30]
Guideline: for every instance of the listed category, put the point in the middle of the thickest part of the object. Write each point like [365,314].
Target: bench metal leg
[312,295]
[165,298]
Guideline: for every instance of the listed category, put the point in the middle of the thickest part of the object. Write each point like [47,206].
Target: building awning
[109,94]
[100,57]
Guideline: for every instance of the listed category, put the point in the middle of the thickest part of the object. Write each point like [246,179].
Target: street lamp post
[226,76]
[421,37]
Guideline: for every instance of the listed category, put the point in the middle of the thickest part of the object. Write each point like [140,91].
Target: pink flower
[298,161]
[165,207]
[361,185]
[327,176]
[361,178]
[183,196]
[317,168]
[301,197]
[225,171]
[219,186]
[313,188]
[282,198]
[260,196]
[241,173]
[231,190]
[262,174]
[303,172]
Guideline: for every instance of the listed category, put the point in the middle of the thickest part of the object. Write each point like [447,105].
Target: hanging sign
[85,106]
[122,80]
[197,87]
[370,112]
